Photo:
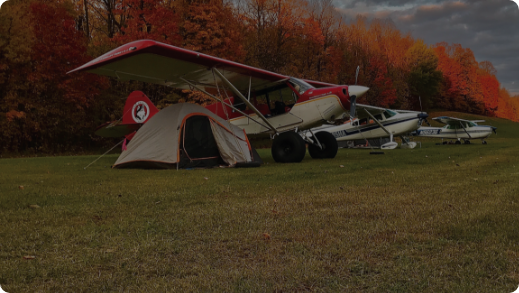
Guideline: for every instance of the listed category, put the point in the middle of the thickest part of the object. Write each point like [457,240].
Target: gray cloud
[490,28]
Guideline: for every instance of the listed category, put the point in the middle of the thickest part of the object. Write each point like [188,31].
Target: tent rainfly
[188,136]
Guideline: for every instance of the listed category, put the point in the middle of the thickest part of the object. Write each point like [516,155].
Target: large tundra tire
[288,147]
[329,144]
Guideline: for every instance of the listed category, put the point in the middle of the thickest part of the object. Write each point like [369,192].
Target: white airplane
[459,129]
[375,122]
[262,102]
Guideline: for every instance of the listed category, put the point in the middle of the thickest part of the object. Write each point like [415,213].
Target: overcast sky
[490,28]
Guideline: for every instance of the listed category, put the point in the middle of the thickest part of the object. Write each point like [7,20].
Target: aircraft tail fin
[138,109]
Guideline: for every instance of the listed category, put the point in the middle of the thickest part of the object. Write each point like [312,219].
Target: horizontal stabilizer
[116,129]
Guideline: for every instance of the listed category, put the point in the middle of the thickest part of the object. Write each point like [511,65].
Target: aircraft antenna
[357,74]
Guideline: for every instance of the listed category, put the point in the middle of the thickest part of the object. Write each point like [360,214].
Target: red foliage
[489,86]
[46,109]
[381,86]
[58,48]
[149,19]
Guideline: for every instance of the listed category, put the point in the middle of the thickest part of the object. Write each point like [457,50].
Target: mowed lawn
[440,218]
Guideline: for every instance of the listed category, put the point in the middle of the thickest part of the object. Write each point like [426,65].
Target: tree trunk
[87,27]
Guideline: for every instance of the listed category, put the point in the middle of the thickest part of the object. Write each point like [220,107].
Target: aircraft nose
[423,115]
[357,90]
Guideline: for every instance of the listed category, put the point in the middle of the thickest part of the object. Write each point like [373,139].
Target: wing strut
[221,101]
[380,124]
[465,130]
[236,92]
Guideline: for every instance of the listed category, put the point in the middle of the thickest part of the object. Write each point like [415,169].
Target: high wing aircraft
[459,129]
[375,122]
[262,102]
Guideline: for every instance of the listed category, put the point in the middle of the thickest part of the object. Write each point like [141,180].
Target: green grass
[433,219]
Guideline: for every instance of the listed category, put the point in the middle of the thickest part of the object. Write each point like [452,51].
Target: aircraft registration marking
[429,131]
[339,133]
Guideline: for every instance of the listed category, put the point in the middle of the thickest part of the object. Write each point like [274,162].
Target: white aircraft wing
[154,62]
[373,110]
[453,121]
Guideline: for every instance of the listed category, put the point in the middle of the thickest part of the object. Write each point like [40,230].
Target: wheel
[288,147]
[457,142]
[484,142]
[329,144]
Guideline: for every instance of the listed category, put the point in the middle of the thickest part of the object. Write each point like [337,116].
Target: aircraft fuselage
[474,132]
[400,124]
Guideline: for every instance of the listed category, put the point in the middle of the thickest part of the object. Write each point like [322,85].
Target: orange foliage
[13,114]
[508,107]
[148,19]
[471,87]
[207,28]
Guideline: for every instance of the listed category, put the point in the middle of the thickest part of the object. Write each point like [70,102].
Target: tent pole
[103,154]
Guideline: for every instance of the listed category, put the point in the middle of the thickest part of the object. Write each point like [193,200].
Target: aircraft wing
[116,129]
[154,62]
[319,84]
[453,121]
[371,109]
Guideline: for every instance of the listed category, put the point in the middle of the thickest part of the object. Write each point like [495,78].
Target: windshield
[389,113]
[300,85]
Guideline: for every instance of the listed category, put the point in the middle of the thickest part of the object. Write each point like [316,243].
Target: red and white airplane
[262,102]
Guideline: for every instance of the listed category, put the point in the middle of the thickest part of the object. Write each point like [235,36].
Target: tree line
[42,109]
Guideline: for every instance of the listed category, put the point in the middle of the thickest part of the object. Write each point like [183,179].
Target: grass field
[433,219]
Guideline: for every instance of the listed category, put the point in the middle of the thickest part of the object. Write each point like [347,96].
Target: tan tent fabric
[157,141]
[232,149]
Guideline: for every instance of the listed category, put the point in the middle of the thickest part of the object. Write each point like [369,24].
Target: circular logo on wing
[140,112]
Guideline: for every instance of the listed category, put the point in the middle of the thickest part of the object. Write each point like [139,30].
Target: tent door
[198,143]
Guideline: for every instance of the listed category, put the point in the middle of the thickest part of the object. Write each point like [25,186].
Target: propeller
[422,117]
[355,91]
[494,129]
[353,105]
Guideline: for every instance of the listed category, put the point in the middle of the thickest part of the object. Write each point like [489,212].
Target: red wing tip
[116,53]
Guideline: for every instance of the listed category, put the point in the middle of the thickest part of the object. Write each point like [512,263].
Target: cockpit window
[388,113]
[300,85]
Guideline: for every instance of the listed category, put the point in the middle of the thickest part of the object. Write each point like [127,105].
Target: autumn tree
[46,108]
[213,28]
[148,19]
[423,78]
[275,28]
[363,45]
[488,87]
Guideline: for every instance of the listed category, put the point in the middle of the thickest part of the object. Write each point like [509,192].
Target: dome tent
[188,136]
